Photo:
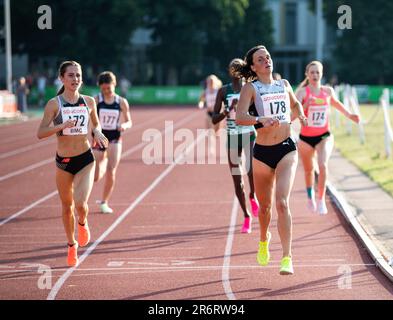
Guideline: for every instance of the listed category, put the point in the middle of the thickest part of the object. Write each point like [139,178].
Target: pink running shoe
[247,225]
[254,207]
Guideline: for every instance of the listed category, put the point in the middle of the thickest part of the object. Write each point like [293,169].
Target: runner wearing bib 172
[316,137]
[269,105]
[71,113]
[111,108]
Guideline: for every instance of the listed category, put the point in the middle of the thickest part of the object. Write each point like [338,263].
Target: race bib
[230,98]
[109,119]
[277,106]
[81,115]
[317,116]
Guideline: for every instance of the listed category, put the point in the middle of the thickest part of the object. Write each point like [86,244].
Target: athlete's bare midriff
[272,136]
[71,146]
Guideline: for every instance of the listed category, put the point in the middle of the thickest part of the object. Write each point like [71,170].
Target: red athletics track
[174,234]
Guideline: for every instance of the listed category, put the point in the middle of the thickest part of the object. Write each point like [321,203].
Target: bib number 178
[277,107]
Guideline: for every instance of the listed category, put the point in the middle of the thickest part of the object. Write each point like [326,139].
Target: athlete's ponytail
[61,90]
[244,69]
[62,70]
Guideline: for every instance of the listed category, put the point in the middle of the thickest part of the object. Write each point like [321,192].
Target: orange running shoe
[72,257]
[83,234]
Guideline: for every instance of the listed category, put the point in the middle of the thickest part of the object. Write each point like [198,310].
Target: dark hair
[107,77]
[235,66]
[243,67]
[62,70]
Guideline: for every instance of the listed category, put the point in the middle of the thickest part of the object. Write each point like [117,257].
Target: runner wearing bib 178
[239,139]
[269,104]
[110,108]
[316,137]
[70,113]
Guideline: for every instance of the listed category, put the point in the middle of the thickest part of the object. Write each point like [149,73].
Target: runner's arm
[125,109]
[95,123]
[217,115]
[45,129]
[340,107]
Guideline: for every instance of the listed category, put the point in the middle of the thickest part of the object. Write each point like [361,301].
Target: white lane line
[126,153]
[14,216]
[153,185]
[44,162]
[274,266]
[43,143]
[27,148]
[27,169]
[228,248]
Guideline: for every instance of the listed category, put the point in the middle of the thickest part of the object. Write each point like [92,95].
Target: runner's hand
[303,121]
[270,122]
[100,139]
[69,124]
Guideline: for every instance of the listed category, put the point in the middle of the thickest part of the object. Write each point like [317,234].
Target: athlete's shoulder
[88,99]
[285,82]
[123,100]
[300,90]
[52,102]
[327,88]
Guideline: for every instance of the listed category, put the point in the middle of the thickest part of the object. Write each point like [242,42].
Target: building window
[290,23]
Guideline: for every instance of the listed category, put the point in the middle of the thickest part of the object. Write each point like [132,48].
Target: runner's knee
[282,206]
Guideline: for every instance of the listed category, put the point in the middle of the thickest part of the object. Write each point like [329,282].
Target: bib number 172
[78,118]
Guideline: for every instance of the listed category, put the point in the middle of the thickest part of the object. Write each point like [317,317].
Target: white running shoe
[321,207]
[105,208]
[311,205]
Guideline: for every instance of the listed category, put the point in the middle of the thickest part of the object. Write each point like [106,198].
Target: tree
[93,32]
[195,37]
[255,28]
[363,53]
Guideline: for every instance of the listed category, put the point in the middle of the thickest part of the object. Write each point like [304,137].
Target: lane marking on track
[27,148]
[142,270]
[126,153]
[152,186]
[228,248]
[20,212]
[44,162]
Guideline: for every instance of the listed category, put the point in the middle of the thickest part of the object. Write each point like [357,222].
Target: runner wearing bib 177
[70,113]
[267,104]
[110,108]
[239,139]
[316,137]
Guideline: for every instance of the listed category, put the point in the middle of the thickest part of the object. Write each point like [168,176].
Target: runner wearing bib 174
[316,137]
[110,108]
[269,105]
[239,139]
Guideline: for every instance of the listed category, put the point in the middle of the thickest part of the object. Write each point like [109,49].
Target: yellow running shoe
[263,256]
[286,266]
